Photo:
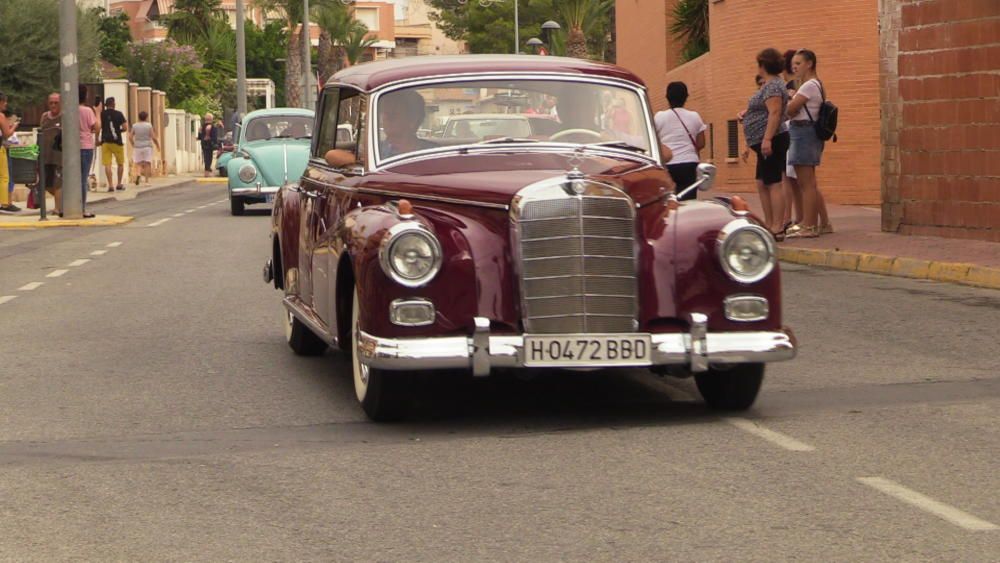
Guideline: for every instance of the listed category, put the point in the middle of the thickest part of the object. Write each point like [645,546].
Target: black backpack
[826,122]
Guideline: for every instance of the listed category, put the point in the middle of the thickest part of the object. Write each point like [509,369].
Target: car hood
[269,158]
[493,179]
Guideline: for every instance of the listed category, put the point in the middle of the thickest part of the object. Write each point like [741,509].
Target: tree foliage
[29,33]
[691,26]
[115,36]
[192,20]
[490,29]
[264,46]
[356,42]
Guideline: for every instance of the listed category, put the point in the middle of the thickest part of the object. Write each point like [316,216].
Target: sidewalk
[859,244]
[29,218]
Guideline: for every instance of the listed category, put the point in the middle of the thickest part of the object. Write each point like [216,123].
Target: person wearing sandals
[806,148]
[142,137]
[766,134]
[683,132]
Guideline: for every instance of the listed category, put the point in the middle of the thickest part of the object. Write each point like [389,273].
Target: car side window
[341,121]
[328,123]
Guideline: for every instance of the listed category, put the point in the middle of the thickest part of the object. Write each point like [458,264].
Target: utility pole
[241,62]
[306,58]
[517,31]
[69,75]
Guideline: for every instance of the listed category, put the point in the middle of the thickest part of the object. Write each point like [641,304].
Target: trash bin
[23,160]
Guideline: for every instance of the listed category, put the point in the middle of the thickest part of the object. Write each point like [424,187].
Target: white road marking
[56,273]
[160,222]
[114,244]
[776,438]
[7,298]
[31,286]
[189,210]
[99,253]
[925,503]
[178,214]
[202,206]
[79,262]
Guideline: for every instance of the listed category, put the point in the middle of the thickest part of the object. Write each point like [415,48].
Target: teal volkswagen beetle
[272,149]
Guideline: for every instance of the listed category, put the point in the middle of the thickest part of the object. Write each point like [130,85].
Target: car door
[340,106]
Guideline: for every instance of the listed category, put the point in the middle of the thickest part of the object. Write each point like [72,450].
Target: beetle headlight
[746,251]
[248,172]
[410,254]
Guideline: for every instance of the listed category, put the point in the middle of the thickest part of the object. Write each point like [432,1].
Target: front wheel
[732,388]
[380,392]
[236,205]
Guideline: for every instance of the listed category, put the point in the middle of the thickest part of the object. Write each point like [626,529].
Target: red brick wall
[947,179]
[843,33]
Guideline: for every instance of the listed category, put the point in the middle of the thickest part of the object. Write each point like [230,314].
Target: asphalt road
[150,410]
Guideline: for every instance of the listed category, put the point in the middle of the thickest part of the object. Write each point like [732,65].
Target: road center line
[160,222]
[114,244]
[7,298]
[56,273]
[79,262]
[202,206]
[31,286]
[178,215]
[927,504]
[776,438]
[99,253]
[190,210]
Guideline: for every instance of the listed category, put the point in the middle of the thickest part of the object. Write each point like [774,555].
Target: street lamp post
[241,62]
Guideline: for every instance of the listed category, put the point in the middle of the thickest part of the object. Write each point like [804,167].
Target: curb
[32,222]
[951,272]
[212,180]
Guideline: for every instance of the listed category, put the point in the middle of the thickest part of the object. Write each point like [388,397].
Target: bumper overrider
[482,351]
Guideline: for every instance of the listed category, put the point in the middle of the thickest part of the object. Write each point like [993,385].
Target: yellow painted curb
[954,272]
[983,277]
[875,264]
[32,222]
[910,268]
[212,180]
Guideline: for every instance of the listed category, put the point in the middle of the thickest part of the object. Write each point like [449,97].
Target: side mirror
[706,175]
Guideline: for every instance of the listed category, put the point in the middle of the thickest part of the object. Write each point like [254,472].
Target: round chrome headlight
[248,172]
[410,254]
[747,251]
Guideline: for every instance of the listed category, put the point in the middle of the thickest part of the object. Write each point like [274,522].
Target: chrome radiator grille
[577,262]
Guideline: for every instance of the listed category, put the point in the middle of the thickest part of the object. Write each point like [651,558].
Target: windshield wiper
[619,145]
[505,140]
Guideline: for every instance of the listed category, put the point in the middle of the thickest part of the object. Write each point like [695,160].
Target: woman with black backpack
[806,147]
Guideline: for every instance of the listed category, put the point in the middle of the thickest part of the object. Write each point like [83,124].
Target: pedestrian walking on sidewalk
[765,131]
[209,137]
[8,124]
[683,132]
[90,125]
[50,157]
[806,148]
[113,123]
[142,137]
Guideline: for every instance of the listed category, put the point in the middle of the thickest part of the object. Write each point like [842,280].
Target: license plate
[587,350]
[268,198]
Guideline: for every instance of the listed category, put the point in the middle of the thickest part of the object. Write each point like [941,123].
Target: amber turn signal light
[405,207]
[739,204]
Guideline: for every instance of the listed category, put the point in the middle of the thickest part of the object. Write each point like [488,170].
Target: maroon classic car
[564,248]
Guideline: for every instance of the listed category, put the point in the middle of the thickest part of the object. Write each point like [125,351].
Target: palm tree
[291,12]
[691,26]
[190,20]
[356,43]
[335,22]
[580,17]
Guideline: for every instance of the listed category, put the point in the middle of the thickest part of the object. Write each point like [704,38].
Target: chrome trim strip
[304,313]
[460,352]
[389,193]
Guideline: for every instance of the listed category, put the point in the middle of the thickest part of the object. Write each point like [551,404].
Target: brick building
[916,81]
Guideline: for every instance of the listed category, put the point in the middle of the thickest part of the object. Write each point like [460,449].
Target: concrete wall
[845,36]
[941,117]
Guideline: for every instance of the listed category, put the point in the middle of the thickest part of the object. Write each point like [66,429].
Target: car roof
[369,76]
[492,116]
[271,112]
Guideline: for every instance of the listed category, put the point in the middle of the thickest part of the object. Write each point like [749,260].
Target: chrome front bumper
[482,352]
[255,190]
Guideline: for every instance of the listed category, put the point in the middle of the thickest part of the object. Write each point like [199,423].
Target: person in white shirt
[806,147]
[683,132]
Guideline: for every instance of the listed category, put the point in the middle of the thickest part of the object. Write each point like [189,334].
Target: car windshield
[530,110]
[278,127]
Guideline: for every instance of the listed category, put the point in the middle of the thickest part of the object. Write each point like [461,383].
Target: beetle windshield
[529,110]
[278,127]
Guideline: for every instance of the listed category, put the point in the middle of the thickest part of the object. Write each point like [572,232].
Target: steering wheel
[570,132]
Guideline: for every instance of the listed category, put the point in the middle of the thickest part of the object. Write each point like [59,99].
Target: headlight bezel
[726,236]
[247,166]
[393,236]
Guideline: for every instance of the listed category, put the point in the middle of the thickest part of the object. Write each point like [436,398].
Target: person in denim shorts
[806,148]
